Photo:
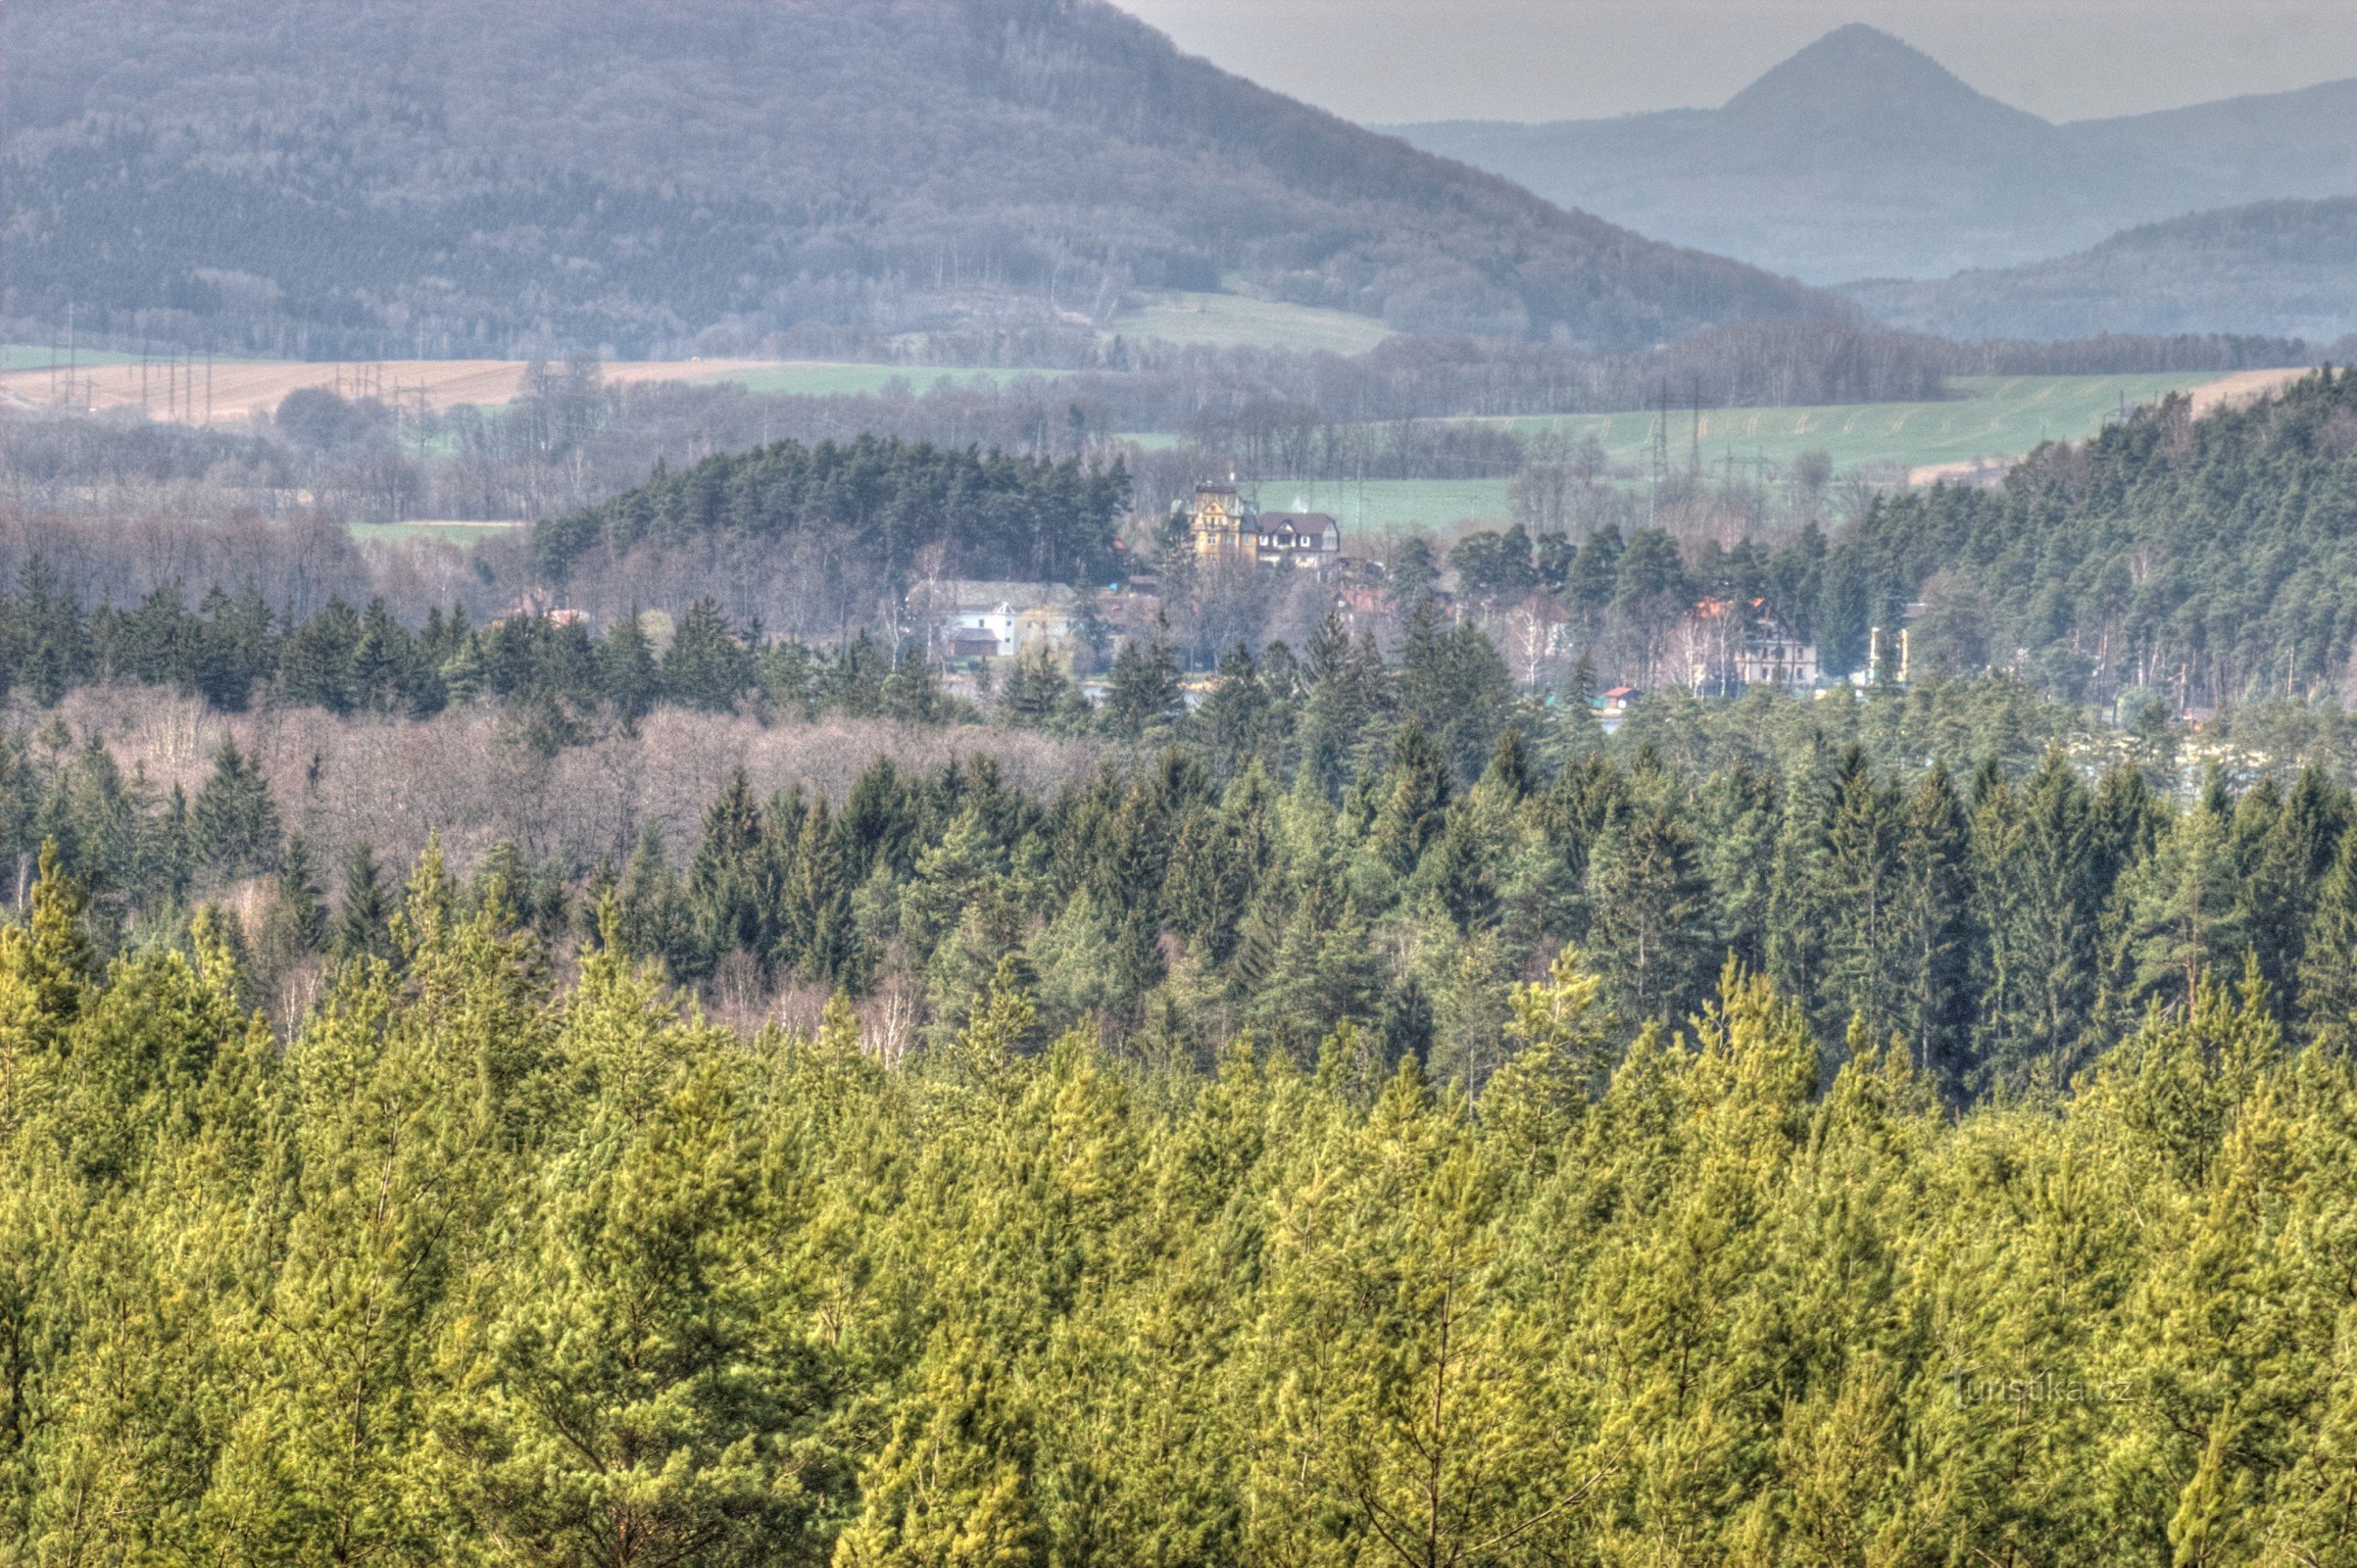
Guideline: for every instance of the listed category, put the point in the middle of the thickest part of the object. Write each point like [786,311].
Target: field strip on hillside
[2242,387]
[1232,320]
[1976,435]
[230,392]
[1989,417]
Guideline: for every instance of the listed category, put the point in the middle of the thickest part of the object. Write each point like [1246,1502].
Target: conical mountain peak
[1865,80]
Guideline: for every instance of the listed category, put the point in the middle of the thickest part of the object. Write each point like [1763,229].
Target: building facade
[967,621]
[1227,528]
[1729,646]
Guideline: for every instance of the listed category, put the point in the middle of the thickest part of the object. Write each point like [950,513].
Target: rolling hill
[1860,157]
[364,177]
[2284,267]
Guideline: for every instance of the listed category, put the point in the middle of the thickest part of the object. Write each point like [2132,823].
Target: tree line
[2191,562]
[1336,834]
[235,653]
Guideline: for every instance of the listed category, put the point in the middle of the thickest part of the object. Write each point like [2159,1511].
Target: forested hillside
[2212,559]
[370,179]
[2284,267]
[878,502]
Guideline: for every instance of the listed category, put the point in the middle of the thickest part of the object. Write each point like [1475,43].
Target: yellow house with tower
[1226,527]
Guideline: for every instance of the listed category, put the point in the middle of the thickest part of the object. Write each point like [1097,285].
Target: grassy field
[1232,320]
[457,533]
[1380,506]
[1991,416]
[36,357]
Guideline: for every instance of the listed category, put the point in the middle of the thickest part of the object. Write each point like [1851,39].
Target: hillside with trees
[2281,266]
[375,180]
[2209,561]
[1864,157]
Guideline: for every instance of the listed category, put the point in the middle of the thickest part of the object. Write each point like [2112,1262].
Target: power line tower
[1693,467]
[1660,455]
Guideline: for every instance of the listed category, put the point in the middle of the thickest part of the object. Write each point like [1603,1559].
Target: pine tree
[1144,696]
[1236,713]
[1937,942]
[306,917]
[314,665]
[636,1380]
[2328,978]
[1651,936]
[234,824]
[2040,892]
[363,916]
[2183,920]
[707,667]
[723,880]
[1415,802]
[627,670]
[1038,694]
[1862,897]
[817,938]
[653,920]
[384,662]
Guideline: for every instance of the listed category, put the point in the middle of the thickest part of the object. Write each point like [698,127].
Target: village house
[1226,527]
[1727,646]
[969,620]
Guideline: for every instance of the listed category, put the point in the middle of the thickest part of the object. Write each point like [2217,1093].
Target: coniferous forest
[1369,1117]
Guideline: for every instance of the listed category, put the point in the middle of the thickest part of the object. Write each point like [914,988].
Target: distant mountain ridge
[2288,266]
[1864,157]
[363,177]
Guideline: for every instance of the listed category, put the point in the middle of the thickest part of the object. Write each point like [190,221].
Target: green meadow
[1990,417]
[1382,506]
[457,533]
[40,356]
[1236,321]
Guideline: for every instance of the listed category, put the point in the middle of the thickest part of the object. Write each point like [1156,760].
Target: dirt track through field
[230,392]
[2242,387]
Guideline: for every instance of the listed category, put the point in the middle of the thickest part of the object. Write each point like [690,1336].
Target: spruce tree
[1651,932]
[1414,801]
[1937,939]
[627,670]
[707,667]
[1862,897]
[2328,977]
[364,913]
[234,823]
[1144,696]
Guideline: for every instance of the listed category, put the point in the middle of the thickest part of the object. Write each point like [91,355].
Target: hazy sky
[1402,60]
